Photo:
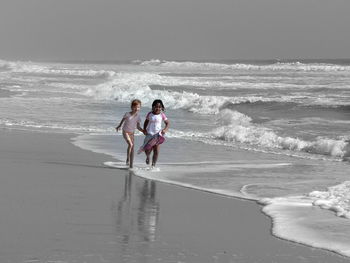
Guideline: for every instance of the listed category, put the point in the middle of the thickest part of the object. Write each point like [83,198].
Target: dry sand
[59,204]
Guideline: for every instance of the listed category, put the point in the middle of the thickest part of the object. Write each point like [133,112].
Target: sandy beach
[252,99]
[60,204]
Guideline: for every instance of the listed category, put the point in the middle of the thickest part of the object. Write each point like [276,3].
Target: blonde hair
[135,102]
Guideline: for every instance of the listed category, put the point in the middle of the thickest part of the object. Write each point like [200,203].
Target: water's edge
[262,205]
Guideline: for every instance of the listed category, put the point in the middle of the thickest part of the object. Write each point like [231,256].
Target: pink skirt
[150,141]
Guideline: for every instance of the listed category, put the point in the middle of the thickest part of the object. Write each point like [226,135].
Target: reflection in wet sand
[148,211]
[136,216]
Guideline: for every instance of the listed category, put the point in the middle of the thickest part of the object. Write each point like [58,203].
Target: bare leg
[155,154]
[131,153]
[129,140]
[131,158]
[128,153]
[147,156]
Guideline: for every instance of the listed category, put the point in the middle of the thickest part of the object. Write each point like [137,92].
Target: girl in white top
[131,121]
[153,126]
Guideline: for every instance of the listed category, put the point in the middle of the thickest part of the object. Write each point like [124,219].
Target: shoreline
[78,210]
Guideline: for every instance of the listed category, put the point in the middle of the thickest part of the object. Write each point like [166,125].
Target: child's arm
[140,129]
[145,126]
[167,125]
[120,124]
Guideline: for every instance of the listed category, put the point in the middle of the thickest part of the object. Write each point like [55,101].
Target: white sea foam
[336,198]
[234,126]
[37,68]
[295,219]
[69,86]
[155,175]
[127,86]
[279,66]
[237,127]
[64,127]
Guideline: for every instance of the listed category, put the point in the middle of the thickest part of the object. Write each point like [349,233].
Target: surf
[273,66]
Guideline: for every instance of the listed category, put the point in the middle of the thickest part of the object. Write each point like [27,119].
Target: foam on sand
[336,198]
[296,219]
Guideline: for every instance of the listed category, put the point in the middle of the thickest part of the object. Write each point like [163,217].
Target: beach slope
[59,203]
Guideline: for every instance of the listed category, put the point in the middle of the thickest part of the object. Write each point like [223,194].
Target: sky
[174,29]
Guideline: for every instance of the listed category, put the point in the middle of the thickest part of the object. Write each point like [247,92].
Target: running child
[131,121]
[154,132]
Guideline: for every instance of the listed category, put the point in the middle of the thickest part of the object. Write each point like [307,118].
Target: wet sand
[59,203]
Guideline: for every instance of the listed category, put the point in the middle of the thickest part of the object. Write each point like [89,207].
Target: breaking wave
[278,66]
[126,86]
[237,127]
[37,68]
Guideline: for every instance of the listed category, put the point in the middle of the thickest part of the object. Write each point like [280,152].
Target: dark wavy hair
[155,102]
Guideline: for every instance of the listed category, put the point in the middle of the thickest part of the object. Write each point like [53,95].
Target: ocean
[272,131]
